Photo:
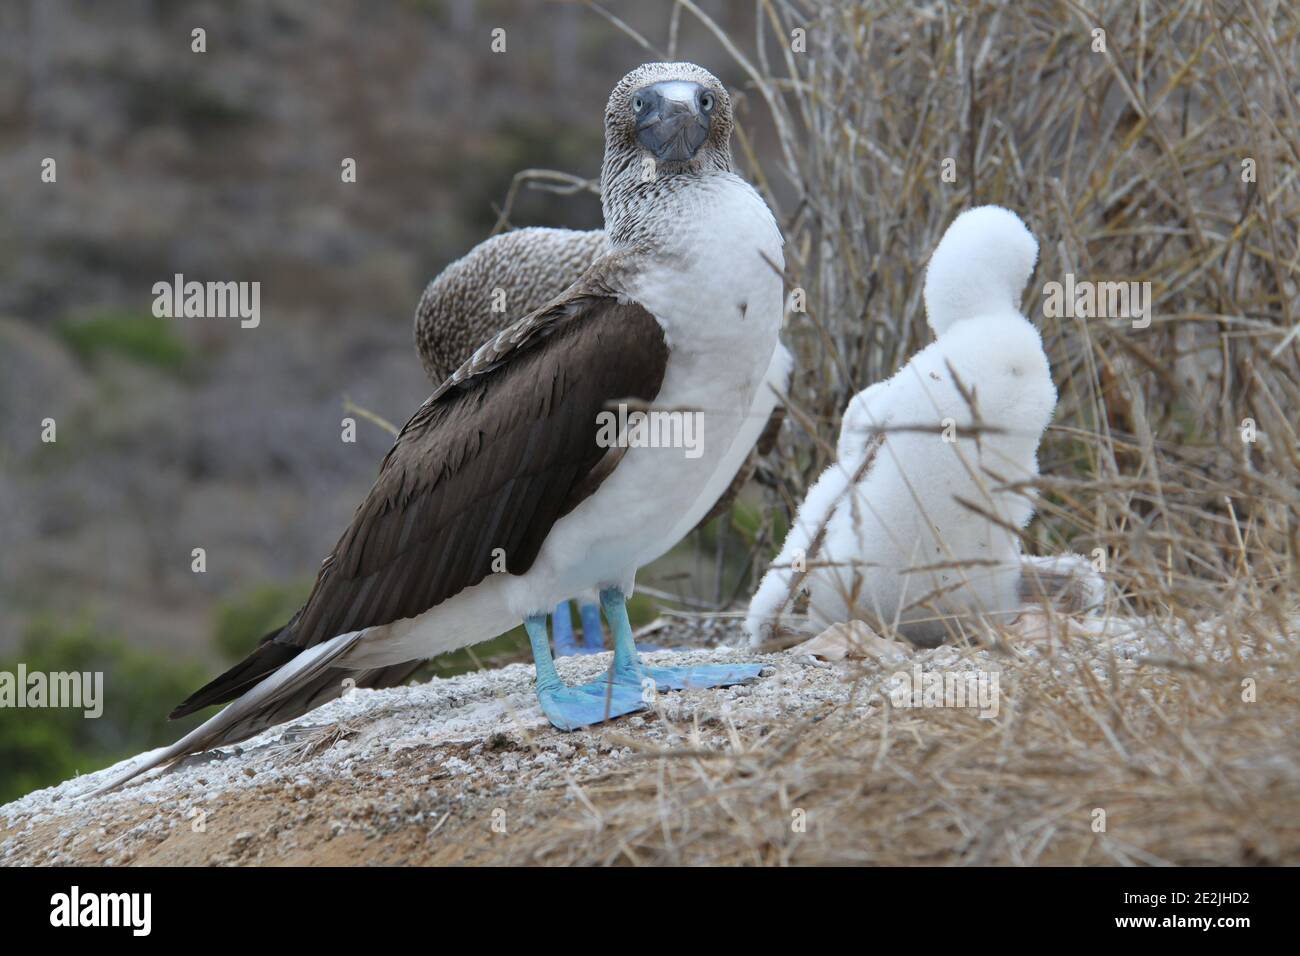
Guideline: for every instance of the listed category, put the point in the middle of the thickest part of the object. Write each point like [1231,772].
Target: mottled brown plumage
[515,273]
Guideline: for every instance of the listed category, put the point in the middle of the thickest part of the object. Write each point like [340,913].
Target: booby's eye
[706,101]
[637,104]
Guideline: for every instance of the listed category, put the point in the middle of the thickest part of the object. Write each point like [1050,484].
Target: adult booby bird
[914,527]
[506,277]
[498,498]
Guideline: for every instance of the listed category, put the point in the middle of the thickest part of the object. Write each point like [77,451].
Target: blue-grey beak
[672,118]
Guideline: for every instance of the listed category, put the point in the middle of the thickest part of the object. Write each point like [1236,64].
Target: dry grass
[1185,772]
[1128,165]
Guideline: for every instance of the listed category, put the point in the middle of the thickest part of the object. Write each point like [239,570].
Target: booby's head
[663,121]
[679,114]
[980,266]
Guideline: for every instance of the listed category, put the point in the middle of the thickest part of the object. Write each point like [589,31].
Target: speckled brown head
[663,121]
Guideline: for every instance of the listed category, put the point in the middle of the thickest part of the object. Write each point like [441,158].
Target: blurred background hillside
[175,434]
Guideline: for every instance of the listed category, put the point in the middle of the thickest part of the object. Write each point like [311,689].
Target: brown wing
[499,453]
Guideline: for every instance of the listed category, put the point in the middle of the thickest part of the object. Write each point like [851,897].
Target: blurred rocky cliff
[176,434]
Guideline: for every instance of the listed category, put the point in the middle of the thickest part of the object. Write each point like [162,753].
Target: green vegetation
[243,622]
[136,336]
[748,520]
[43,746]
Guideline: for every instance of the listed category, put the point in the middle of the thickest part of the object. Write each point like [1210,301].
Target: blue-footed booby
[915,527]
[504,493]
[510,275]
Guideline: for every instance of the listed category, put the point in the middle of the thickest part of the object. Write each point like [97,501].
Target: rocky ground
[815,762]
[439,772]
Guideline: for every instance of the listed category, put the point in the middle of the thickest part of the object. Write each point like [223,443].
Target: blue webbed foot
[628,666]
[572,707]
[702,675]
[625,688]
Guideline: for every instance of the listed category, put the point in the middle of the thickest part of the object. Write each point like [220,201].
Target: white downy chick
[913,526]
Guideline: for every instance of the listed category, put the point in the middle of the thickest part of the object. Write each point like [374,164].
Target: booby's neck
[643,200]
[701,252]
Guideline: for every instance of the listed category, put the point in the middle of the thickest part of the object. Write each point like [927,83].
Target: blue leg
[627,663]
[629,670]
[572,707]
[562,628]
[593,632]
